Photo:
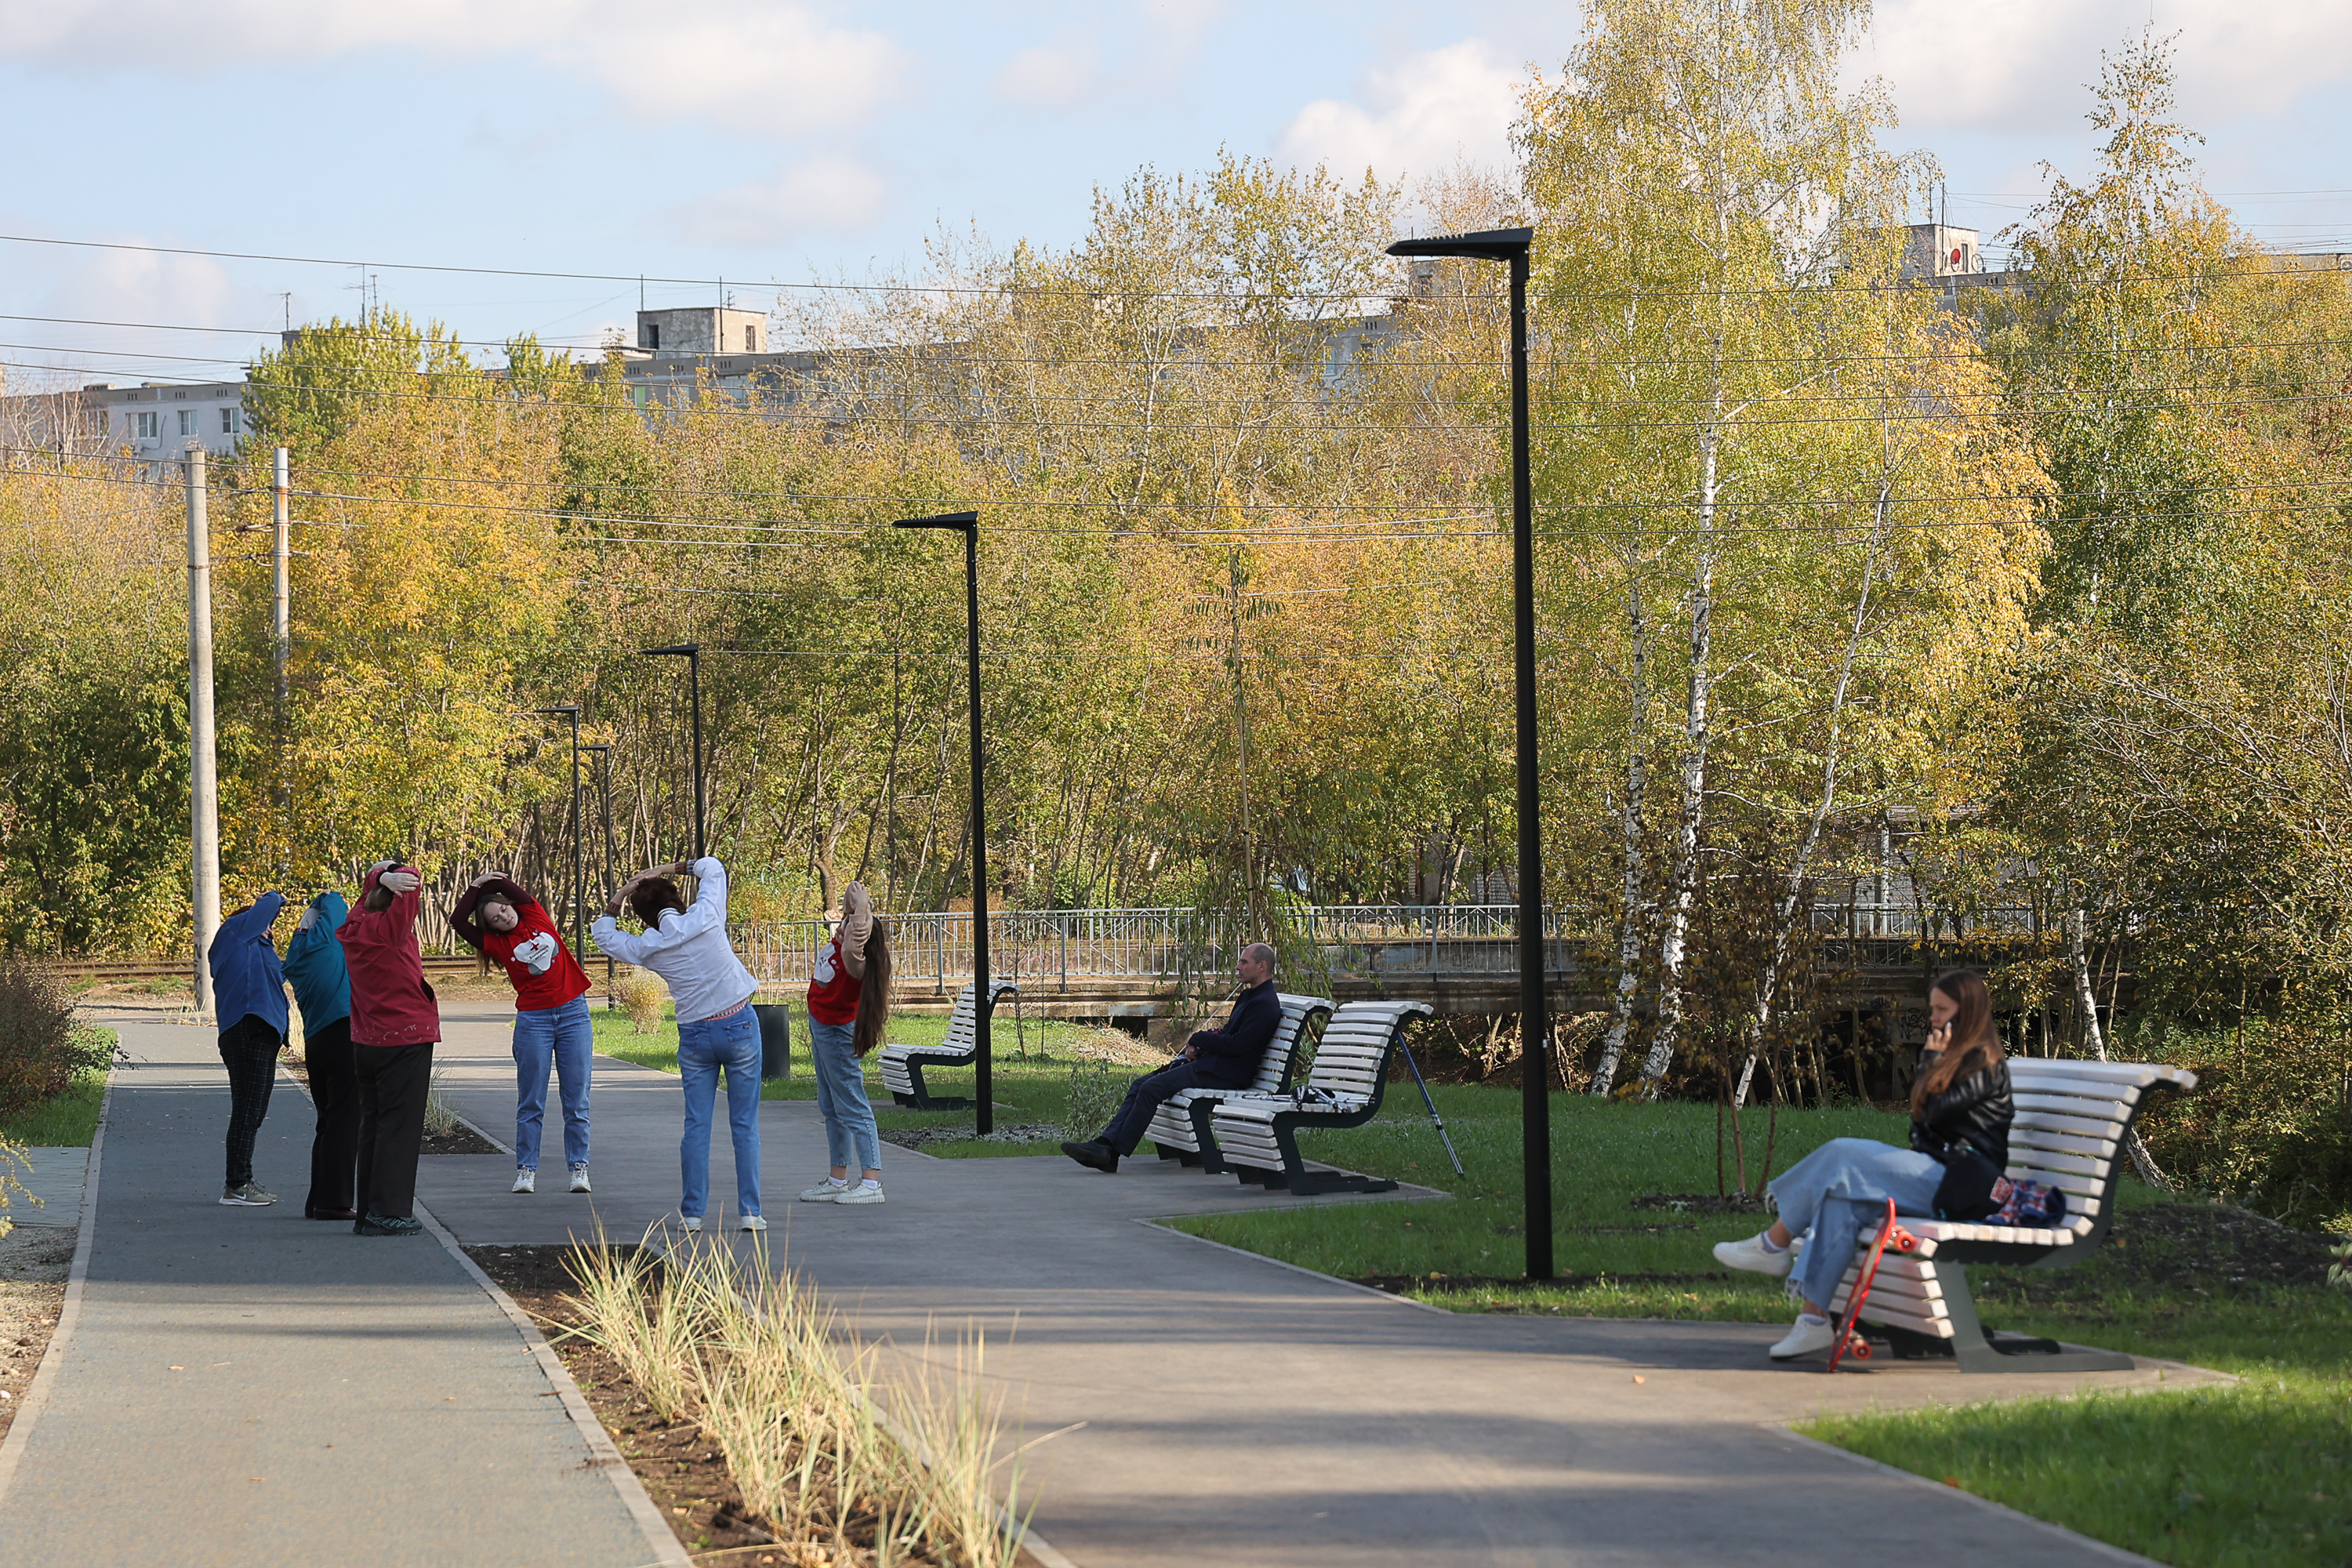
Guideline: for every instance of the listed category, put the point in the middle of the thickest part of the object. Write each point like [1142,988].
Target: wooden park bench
[2072,1120]
[1257,1134]
[902,1065]
[1181,1130]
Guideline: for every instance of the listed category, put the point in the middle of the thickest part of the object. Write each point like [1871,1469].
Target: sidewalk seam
[668,1552]
[2075,1537]
[28,1415]
[1160,1224]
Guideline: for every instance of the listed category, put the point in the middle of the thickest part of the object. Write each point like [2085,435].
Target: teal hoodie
[314,965]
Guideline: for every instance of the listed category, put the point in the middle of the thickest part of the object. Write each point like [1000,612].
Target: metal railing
[1045,951]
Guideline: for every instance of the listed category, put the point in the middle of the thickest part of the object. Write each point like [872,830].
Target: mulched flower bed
[1700,1203]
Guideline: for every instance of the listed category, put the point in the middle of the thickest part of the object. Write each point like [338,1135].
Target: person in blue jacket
[249,1004]
[322,989]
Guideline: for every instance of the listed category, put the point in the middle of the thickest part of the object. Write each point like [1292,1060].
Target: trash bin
[775,1038]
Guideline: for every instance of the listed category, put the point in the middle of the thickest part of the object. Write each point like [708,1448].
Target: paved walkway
[246,1388]
[1238,1410]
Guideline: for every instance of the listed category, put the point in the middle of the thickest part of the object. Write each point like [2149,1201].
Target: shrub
[41,1048]
[641,995]
[2270,1123]
[1095,1093]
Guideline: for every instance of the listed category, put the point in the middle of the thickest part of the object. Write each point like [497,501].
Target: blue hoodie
[314,962]
[247,981]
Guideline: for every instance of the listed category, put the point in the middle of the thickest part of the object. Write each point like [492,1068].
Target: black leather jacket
[1976,1110]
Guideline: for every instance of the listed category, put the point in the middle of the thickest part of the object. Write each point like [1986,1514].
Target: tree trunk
[2087,999]
[1637,782]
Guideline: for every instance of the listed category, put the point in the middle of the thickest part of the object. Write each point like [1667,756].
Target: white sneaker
[580,1178]
[752,1222]
[693,1224]
[863,1192]
[526,1181]
[1805,1338]
[824,1192]
[1749,1253]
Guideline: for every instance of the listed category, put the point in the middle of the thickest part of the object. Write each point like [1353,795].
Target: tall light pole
[983,999]
[1511,245]
[203,782]
[579,895]
[692,653]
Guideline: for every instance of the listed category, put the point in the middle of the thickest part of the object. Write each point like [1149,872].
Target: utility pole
[203,791]
[281,643]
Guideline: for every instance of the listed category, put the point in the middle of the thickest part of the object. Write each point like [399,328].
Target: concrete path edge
[20,1431]
[603,1453]
[2088,1543]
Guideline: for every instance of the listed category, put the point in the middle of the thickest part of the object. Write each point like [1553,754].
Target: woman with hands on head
[716,1031]
[497,918]
[1961,1112]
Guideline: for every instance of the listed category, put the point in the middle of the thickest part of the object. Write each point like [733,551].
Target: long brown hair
[873,990]
[1974,1045]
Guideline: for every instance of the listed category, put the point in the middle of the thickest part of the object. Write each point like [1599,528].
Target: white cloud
[2023,65]
[827,195]
[1427,113]
[1048,77]
[751,65]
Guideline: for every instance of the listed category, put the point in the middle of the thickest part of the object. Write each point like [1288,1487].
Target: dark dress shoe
[1097,1155]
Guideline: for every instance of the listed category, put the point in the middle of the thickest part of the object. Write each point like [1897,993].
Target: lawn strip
[67,1121]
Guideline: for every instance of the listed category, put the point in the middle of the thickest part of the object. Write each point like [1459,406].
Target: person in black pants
[322,989]
[395,1022]
[250,1001]
[1212,1058]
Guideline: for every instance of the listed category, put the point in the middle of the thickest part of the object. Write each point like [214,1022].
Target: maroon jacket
[390,1004]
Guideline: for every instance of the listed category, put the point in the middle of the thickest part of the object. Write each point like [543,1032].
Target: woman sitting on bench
[1961,1112]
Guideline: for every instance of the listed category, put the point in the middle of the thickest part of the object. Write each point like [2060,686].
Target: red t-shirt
[832,991]
[560,977]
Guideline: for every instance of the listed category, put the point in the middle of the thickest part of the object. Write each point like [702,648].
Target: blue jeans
[1831,1193]
[704,1048]
[849,1136]
[561,1035]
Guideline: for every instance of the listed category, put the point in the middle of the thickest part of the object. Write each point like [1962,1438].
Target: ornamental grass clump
[1094,1096]
[641,995]
[820,1449]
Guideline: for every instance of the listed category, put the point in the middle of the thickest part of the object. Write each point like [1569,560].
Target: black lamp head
[681,650]
[566,710]
[958,521]
[1482,244]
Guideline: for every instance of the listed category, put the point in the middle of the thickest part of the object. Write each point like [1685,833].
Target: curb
[668,1551]
[28,1414]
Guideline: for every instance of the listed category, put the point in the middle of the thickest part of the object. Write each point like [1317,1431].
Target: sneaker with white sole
[1807,1338]
[1749,1253]
[526,1180]
[824,1192]
[580,1178]
[753,1223]
[693,1223]
[863,1192]
[251,1196]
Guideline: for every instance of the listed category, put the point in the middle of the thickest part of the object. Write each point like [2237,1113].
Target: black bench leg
[924,1100]
[1204,1133]
[1978,1350]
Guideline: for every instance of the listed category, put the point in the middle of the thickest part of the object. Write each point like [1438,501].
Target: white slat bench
[902,1065]
[1181,1128]
[2072,1118]
[1257,1134]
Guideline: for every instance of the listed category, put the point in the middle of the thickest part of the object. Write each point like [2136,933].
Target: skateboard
[1889,1235]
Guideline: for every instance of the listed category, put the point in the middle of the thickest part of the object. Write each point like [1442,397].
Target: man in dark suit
[1212,1058]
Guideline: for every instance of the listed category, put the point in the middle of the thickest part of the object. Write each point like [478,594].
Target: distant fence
[1051,950]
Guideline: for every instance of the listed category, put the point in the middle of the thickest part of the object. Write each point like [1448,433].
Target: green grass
[67,1122]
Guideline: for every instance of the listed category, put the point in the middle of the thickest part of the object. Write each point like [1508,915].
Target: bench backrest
[961,1022]
[1297,1012]
[1351,1060]
[2071,1117]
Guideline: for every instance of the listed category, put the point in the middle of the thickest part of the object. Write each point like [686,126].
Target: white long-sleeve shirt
[689,950]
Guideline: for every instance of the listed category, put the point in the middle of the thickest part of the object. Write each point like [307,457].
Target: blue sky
[780,141]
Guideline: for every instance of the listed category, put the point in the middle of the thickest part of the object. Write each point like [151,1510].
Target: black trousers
[248,1048]
[393,1081]
[1147,1094]
[335,1147]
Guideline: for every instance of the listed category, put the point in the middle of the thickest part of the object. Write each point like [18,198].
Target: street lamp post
[692,653]
[579,900]
[983,999]
[1511,245]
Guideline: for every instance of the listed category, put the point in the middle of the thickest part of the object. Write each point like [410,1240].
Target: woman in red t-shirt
[497,918]
[849,1007]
